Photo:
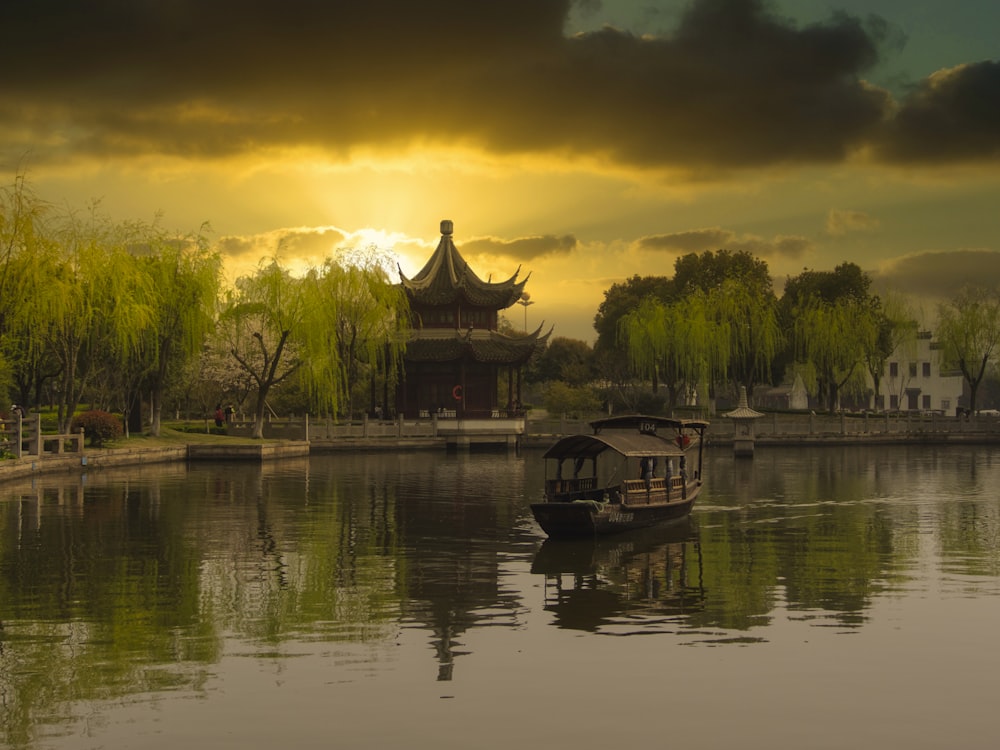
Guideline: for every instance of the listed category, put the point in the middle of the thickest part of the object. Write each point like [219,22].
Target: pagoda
[456,354]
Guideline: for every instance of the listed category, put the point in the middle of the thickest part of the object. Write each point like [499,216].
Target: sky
[579,141]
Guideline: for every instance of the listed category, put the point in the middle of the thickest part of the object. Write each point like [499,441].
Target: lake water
[819,598]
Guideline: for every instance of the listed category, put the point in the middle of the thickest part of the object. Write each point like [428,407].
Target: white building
[913,379]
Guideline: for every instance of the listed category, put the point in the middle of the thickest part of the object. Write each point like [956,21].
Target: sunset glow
[582,142]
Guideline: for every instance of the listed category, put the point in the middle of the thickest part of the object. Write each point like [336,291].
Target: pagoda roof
[478,345]
[447,278]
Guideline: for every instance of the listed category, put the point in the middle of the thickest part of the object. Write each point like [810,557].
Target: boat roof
[631,435]
[643,421]
[628,444]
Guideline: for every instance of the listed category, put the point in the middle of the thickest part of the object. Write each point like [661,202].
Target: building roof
[478,345]
[447,278]
[743,411]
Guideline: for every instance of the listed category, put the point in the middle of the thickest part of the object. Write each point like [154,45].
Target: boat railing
[577,488]
[645,491]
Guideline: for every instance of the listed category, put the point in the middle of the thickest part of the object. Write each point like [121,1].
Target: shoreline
[271,450]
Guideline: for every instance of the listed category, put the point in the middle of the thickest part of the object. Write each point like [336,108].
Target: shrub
[561,398]
[98,426]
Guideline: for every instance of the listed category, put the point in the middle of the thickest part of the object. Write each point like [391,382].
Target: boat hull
[581,519]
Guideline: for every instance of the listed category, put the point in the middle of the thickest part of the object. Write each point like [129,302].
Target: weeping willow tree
[969,331]
[831,340]
[26,255]
[748,317]
[894,334]
[185,281]
[93,309]
[679,344]
[362,318]
[326,328]
[263,319]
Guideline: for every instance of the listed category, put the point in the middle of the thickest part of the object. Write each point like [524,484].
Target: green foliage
[678,344]
[569,360]
[845,281]
[834,337]
[838,329]
[185,286]
[621,299]
[710,271]
[969,331]
[98,426]
[358,325]
[561,398]
[262,322]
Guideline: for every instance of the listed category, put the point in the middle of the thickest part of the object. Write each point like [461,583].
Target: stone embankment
[99,458]
[774,430]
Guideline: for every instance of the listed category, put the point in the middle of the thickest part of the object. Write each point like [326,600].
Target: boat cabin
[629,460]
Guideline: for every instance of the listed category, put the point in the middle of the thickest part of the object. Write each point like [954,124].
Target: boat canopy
[628,444]
[642,422]
[631,435]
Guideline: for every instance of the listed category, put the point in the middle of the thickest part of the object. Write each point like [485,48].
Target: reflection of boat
[583,555]
[653,450]
[635,578]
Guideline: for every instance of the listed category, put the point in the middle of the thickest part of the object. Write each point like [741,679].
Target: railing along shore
[22,436]
[773,427]
[803,428]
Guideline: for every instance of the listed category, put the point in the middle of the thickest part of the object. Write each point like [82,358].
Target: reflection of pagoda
[456,356]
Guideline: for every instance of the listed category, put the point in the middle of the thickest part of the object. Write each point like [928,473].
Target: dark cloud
[734,85]
[952,116]
[525,248]
[940,275]
[695,241]
[712,239]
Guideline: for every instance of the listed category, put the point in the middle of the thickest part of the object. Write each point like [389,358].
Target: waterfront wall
[779,429]
[785,427]
[797,428]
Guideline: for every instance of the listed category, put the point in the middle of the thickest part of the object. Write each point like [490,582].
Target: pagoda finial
[447,227]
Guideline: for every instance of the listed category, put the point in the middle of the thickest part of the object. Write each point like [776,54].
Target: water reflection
[644,581]
[127,586]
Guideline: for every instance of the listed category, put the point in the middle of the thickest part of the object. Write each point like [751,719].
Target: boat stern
[565,519]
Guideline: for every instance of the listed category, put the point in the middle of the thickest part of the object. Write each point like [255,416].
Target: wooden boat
[632,471]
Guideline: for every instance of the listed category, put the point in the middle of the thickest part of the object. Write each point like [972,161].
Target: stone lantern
[743,418]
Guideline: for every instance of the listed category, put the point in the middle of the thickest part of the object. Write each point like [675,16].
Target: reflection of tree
[137,581]
[826,530]
[453,585]
[99,599]
[832,552]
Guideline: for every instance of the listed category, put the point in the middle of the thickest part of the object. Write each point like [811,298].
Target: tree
[95,309]
[185,278]
[969,330]
[357,314]
[845,281]
[678,344]
[262,322]
[835,325]
[621,299]
[562,398]
[568,360]
[832,337]
[748,314]
[895,330]
[710,271]
[24,253]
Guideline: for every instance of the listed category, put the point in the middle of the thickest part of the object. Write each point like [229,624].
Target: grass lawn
[171,437]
